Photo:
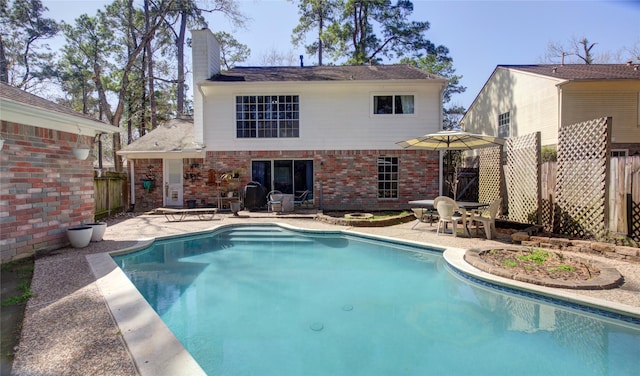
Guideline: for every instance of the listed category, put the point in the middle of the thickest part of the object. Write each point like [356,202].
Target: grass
[23,271]
[25,288]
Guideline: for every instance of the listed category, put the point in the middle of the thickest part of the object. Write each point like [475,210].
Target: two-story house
[521,99]
[330,130]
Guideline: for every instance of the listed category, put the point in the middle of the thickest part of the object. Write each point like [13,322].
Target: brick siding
[343,180]
[43,189]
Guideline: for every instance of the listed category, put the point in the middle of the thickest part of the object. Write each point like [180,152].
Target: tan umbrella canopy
[451,140]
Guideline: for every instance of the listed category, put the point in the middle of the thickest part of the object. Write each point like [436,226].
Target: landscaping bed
[544,267]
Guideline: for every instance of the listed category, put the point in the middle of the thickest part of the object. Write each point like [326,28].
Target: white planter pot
[80,237]
[98,230]
[80,154]
[235,207]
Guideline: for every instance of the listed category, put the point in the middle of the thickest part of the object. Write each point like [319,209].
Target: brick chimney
[205,57]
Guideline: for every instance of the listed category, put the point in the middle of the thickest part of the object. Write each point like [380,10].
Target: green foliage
[510,263]
[548,154]
[362,31]
[439,62]
[23,271]
[565,268]
[27,61]
[25,288]
[231,51]
[538,256]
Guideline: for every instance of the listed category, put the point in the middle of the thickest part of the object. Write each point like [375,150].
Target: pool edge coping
[153,347]
[455,258]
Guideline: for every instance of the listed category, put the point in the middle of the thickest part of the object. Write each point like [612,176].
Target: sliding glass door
[290,176]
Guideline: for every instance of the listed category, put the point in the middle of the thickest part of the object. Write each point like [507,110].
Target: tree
[231,51]
[438,62]
[274,57]
[22,28]
[579,48]
[354,35]
[100,40]
[187,12]
[314,15]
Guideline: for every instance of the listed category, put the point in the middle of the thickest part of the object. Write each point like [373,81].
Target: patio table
[463,205]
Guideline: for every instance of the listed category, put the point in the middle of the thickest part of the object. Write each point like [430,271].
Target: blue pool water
[263,300]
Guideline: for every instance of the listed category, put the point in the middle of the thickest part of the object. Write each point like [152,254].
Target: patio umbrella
[451,140]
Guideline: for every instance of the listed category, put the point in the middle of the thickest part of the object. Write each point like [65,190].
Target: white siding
[205,56]
[584,101]
[333,116]
[532,101]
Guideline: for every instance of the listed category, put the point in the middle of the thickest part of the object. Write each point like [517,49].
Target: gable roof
[325,73]
[21,107]
[174,136]
[581,71]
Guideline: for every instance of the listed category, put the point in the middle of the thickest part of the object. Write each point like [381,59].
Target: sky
[479,34]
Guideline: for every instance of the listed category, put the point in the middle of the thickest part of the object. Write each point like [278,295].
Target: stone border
[609,277]
[390,221]
[608,250]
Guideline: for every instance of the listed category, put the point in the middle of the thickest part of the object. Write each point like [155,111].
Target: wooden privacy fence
[110,195]
[624,195]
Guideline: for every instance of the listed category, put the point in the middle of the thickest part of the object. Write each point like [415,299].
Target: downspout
[132,184]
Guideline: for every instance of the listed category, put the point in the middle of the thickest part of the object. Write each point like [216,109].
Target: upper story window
[504,123]
[267,116]
[392,104]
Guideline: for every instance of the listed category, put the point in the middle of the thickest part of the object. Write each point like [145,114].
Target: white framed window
[393,104]
[267,116]
[504,125]
[387,177]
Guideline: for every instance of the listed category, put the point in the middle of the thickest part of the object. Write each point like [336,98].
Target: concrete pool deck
[68,328]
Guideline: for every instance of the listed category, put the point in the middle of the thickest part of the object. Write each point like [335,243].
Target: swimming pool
[271,301]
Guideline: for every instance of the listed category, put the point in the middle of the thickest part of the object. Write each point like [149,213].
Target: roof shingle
[582,71]
[325,73]
[14,94]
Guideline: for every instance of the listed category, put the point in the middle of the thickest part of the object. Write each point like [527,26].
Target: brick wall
[344,180]
[43,189]
[148,169]
[347,179]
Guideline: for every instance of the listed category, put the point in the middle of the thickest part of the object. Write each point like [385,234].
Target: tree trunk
[4,76]
[180,56]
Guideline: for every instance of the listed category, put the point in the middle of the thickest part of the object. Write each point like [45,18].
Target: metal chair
[303,199]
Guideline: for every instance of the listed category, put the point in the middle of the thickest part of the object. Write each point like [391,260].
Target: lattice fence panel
[522,178]
[490,179]
[635,221]
[581,183]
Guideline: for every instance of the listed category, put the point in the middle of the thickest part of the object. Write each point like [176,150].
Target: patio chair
[274,198]
[448,213]
[301,200]
[487,218]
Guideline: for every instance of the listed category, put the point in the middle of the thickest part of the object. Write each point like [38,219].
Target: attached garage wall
[44,190]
